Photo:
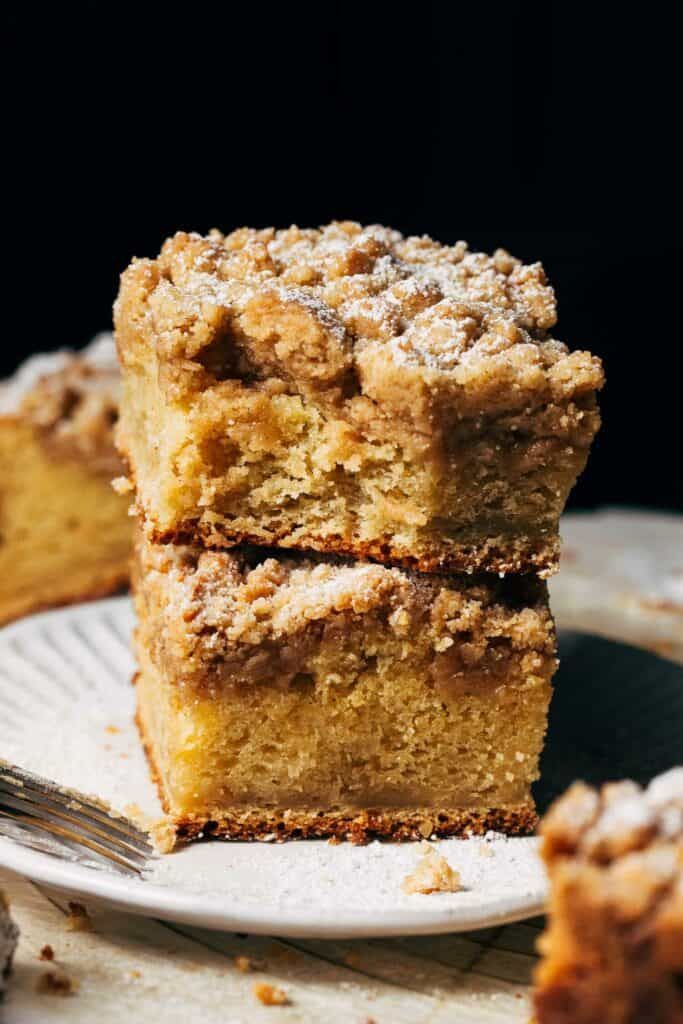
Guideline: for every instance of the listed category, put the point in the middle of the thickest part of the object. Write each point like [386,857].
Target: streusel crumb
[432,874]
[270,995]
[57,983]
[78,919]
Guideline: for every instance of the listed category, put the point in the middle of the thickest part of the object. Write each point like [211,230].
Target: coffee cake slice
[613,949]
[9,934]
[355,391]
[290,696]
[64,534]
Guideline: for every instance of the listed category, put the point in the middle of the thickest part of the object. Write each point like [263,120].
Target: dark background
[545,128]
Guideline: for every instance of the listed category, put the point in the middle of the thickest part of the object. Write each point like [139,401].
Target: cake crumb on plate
[78,918]
[432,874]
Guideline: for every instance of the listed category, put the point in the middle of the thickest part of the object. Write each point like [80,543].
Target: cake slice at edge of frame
[65,535]
[613,949]
[9,934]
[286,696]
[350,390]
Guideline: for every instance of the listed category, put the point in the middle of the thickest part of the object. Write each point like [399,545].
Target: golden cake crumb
[163,835]
[432,874]
[245,964]
[123,485]
[47,953]
[57,983]
[270,995]
[78,919]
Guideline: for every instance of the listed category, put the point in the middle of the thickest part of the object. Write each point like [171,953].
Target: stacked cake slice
[350,451]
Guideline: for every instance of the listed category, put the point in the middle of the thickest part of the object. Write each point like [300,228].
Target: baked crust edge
[356,826]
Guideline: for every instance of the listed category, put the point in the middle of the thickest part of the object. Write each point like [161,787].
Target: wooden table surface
[128,967]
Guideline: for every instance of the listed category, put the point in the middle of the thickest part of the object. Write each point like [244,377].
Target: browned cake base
[359,827]
[106,584]
[522,553]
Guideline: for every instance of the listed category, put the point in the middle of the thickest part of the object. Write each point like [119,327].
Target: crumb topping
[75,410]
[321,307]
[620,819]
[72,398]
[246,597]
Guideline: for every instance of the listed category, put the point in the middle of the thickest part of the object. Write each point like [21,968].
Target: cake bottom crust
[113,582]
[358,826]
[500,555]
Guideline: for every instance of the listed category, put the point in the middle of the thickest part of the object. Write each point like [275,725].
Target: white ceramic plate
[66,712]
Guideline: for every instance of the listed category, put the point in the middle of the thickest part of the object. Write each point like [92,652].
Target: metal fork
[65,823]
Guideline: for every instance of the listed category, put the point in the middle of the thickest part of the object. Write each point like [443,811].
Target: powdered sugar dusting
[320,877]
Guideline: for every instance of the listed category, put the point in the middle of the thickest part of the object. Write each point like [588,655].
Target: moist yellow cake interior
[252,463]
[381,740]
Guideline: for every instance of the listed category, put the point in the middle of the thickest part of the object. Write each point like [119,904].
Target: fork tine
[57,846]
[77,823]
[33,801]
[64,833]
[25,784]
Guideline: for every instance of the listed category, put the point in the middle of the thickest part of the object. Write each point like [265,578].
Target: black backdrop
[545,128]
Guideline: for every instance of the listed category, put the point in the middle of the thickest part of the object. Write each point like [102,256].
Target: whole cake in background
[9,934]
[613,948]
[295,404]
[64,534]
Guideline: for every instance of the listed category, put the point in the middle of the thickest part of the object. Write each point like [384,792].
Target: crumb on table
[78,919]
[57,983]
[270,995]
[248,963]
[46,953]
